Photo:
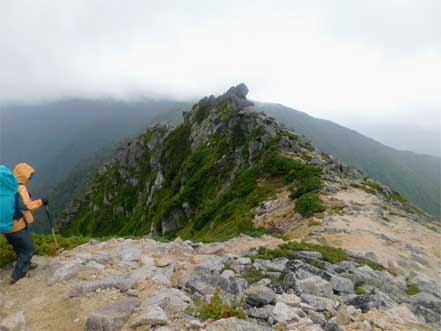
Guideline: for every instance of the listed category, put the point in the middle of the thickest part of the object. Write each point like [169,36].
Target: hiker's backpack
[8,193]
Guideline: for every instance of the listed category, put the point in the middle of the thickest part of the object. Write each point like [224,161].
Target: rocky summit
[237,223]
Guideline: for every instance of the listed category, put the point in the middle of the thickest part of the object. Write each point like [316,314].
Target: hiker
[20,237]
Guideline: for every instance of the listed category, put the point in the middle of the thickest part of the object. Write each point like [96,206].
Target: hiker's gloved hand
[45,202]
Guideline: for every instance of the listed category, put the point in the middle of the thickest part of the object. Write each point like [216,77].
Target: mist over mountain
[55,136]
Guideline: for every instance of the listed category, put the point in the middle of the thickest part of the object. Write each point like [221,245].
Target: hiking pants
[23,246]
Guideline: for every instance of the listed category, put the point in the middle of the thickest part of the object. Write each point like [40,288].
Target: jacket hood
[22,172]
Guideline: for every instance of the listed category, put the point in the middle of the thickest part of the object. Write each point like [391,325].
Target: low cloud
[372,60]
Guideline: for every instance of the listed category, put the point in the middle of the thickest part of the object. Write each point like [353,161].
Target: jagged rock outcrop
[182,180]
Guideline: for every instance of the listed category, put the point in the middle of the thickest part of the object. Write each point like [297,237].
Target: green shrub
[215,309]
[309,184]
[308,204]
[360,291]
[330,254]
[412,289]
[252,275]
[289,249]
[374,265]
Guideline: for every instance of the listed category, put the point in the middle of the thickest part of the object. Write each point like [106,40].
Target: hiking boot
[33,266]
[12,281]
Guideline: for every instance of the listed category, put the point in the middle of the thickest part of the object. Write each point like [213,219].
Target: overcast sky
[374,66]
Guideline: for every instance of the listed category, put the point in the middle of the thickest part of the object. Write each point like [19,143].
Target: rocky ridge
[187,180]
[148,285]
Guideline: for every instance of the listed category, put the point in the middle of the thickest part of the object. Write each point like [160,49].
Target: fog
[373,66]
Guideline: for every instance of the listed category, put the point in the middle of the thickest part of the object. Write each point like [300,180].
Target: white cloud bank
[356,62]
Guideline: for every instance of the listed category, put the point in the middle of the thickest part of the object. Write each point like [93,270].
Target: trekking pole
[51,223]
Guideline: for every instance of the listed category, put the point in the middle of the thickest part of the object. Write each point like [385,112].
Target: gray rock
[332,325]
[315,286]
[289,281]
[235,324]
[342,316]
[289,299]
[284,313]
[244,261]
[118,281]
[382,299]
[259,295]
[68,270]
[363,302]
[317,318]
[271,265]
[426,305]
[261,313]
[341,284]
[300,267]
[170,299]
[130,254]
[111,318]
[173,222]
[228,273]
[214,263]
[205,283]
[320,303]
[151,315]
[311,255]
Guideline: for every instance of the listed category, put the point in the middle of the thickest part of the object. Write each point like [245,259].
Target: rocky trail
[143,284]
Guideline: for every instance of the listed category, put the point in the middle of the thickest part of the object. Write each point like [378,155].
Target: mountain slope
[416,176]
[54,137]
[203,179]
[198,180]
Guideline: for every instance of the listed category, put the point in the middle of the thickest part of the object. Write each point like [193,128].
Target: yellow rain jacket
[23,172]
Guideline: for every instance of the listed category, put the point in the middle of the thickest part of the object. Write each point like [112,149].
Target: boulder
[289,299]
[205,283]
[271,265]
[235,324]
[341,284]
[261,313]
[342,316]
[259,295]
[244,261]
[284,313]
[68,270]
[228,273]
[130,254]
[170,299]
[320,303]
[426,305]
[315,286]
[150,316]
[118,281]
[363,302]
[111,318]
